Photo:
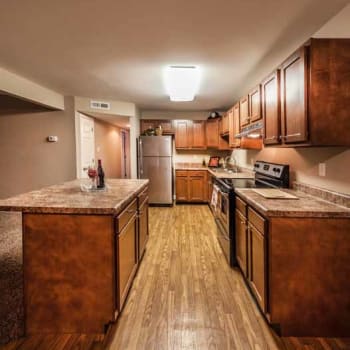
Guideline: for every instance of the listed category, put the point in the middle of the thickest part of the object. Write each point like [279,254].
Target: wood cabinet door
[234,126]
[126,259]
[197,183]
[182,134]
[244,111]
[167,126]
[143,228]
[257,265]
[271,109]
[294,97]
[241,242]
[254,99]
[224,129]
[181,184]
[198,134]
[212,133]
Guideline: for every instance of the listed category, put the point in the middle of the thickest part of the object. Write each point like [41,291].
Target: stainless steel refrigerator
[155,162]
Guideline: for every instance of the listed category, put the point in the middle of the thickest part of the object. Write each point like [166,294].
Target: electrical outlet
[322,169]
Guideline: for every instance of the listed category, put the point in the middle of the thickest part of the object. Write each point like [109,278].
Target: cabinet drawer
[256,220]
[241,206]
[201,173]
[142,196]
[125,216]
[181,172]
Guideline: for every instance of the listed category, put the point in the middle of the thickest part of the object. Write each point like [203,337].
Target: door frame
[78,116]
[125,154]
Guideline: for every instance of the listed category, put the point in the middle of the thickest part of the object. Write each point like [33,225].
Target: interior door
[87,144]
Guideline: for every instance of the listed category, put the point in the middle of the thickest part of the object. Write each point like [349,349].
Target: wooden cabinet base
[68,272]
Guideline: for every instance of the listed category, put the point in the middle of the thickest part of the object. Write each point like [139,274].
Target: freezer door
[159,172]
[156,146]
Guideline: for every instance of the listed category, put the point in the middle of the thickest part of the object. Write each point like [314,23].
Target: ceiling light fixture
[182,82]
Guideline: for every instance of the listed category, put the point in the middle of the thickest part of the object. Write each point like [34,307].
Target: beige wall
[16,85]
[157,114]
[27,160]
[304,164]
[108,148]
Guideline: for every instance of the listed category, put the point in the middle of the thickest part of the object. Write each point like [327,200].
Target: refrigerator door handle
[140,158]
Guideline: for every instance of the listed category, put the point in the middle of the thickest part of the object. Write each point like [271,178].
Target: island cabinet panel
[127,258]
[68,272]
[294,97]
[271,109]
[143,233]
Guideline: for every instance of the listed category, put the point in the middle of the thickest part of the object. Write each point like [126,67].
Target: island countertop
[68,198]
[305,206]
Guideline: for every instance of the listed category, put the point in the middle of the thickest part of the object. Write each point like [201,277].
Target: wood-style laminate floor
[185,297]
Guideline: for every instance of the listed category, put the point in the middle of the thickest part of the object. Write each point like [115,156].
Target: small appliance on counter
[267,175]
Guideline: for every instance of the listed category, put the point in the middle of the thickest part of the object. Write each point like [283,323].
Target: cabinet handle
[291,135]
[273,138]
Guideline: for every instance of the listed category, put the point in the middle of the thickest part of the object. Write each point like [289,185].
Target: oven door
[224,211]
[223,240]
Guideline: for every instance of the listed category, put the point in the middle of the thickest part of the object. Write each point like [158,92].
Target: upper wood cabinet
[212,133]
[190,134]
[254,99]
[294,72]
[271,109]
[198,134]
[244,111]
[166,125]
[234,126]
[224,125]
[183,134]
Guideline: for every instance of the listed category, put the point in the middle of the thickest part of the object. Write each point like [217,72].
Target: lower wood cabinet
[191,186]
[241,242]
[210,186]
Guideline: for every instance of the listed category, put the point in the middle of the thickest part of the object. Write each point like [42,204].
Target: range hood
[251,136]
[253,131]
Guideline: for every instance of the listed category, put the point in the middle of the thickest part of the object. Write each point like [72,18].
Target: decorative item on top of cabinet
[234,126]
[244,111]
[165,124]
[190,134]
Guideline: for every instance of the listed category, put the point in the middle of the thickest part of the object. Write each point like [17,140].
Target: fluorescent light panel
[182,82]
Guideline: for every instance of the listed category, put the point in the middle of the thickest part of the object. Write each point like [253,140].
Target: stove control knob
[276,170]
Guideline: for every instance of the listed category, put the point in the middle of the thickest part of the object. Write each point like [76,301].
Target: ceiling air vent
[100,105]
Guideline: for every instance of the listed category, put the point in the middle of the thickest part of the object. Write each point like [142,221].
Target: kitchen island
[81,251]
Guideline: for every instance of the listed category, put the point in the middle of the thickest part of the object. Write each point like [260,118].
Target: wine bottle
[100,175]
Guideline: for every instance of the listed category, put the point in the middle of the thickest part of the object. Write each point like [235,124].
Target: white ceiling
[116,50]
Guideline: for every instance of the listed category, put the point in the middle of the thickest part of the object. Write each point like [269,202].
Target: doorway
[85,132]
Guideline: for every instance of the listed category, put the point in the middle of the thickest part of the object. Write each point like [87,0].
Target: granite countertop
[221,174]
[67,198]
[305,206]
